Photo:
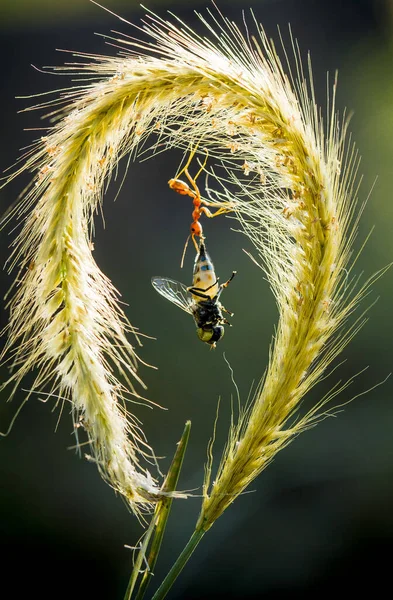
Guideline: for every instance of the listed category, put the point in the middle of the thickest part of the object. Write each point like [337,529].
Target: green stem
[179,564]
[163,509]
[140,558]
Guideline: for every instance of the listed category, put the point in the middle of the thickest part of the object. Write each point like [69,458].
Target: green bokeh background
[319,518]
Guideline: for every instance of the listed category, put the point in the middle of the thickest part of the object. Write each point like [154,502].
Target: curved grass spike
[295,201]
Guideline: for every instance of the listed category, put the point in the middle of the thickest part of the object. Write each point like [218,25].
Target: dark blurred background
[319,518]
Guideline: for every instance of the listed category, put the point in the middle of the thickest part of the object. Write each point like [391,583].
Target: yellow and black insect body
[204,276]
[205,292]
[201,300]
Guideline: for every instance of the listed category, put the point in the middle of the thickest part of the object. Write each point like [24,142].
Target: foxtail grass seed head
[295,194]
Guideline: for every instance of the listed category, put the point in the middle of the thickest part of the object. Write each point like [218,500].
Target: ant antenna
[184,251]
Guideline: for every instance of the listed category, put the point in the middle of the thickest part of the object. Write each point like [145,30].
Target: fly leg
[224,285]
[226,311]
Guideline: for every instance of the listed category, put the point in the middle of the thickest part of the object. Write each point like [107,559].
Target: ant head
[196,229]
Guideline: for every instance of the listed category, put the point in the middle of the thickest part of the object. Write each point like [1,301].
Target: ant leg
[193,183]
[192,180]
[180,186]
[185,168]
[203,165]
[222,210]
[186,172]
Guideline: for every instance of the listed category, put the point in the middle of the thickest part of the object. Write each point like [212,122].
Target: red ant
[200,205]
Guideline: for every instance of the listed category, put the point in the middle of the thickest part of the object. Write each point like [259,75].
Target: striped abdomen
[204,274]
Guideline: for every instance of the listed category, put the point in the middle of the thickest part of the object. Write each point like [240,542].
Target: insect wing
[174,291]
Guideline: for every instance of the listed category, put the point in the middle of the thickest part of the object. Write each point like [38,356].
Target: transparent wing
[174,291]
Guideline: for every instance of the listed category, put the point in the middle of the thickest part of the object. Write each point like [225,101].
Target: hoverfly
[201,300]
